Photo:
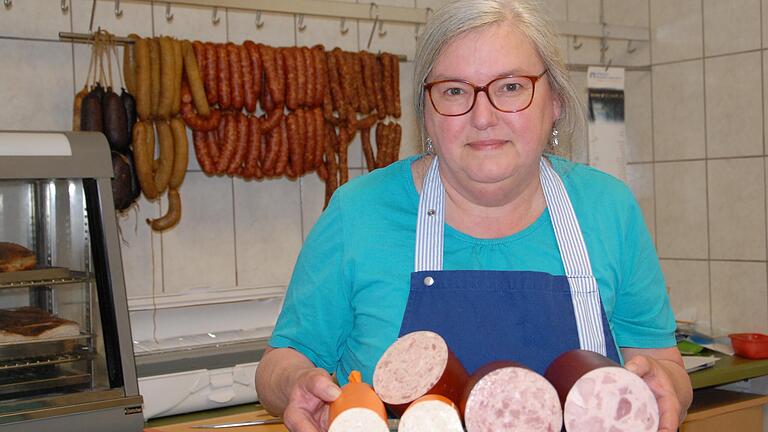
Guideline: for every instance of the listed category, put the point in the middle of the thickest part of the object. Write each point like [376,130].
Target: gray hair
[461,16]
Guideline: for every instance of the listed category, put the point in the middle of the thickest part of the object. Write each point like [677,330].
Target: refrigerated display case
[66,357]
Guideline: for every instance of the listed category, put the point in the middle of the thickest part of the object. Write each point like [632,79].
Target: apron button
[428,281]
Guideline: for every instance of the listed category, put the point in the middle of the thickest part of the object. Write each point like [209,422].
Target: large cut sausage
[506,396]
[415,365]
[598,395]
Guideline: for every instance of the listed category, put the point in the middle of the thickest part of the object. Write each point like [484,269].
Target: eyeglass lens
[508,94]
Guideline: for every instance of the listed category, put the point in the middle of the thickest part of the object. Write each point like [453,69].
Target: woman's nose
[483,113]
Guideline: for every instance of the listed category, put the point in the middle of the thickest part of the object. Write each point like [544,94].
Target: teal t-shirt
[348,292]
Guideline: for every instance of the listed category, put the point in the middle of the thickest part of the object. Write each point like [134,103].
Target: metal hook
[608,64]
[343,28]
[428,12]
[8,3]
[168,14]
[259,22]
[382,32]
[301,26]
[576,43]
[370,10]
[630,48]
[64,6]
[118,9]
[215,18]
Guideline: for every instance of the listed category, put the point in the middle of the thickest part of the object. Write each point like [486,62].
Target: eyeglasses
[509,94]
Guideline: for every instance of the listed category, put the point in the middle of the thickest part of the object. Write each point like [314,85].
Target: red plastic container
[750,345]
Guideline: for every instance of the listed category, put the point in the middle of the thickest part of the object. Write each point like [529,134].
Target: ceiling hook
[118,9]
[630,48]
[168,14]
[576,43]
[64,6]
[343,27]
[300,25]
[215,18]
[8,3]
[259,22]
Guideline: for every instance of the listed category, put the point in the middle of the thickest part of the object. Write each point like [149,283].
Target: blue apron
[525,316]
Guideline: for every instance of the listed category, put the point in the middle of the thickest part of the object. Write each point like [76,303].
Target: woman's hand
[663,372]
[307,409]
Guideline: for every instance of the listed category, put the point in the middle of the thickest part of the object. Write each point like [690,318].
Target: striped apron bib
[526,316]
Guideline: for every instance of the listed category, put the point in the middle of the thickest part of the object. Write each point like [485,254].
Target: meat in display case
[66,358]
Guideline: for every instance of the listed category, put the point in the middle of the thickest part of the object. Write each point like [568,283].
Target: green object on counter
[689,348]
[727,370]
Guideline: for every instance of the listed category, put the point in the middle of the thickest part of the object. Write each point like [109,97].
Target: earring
[429,149]
[555,141]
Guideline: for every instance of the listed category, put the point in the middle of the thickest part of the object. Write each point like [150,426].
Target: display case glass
[65,349]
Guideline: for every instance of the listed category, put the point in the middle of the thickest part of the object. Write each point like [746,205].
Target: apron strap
[573,251]
[430,226]
[430,232]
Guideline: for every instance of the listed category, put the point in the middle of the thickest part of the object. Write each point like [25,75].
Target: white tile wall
[678,111]
[639,117]
[688,287]
[731,26]
[681,209]
[734,108]
[676,30]
[50,19]
[732,181]
[738,294]
[36,85]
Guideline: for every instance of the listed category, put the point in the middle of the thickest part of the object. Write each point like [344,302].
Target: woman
[516,255]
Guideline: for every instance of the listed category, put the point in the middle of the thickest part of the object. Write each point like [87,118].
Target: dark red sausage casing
[415,365]
[596,393]
[507,396]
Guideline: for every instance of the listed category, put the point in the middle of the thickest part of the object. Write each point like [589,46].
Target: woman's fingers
[655,376]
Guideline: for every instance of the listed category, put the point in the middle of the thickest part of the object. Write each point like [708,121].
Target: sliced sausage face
[410,367]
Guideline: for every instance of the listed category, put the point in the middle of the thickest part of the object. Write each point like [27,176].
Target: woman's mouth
[486,144]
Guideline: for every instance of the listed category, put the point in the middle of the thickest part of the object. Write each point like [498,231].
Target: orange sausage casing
[223,70]
[301,75]
[251,166]
[235,76]
[310,142]
[172,216]
[236,164]
[195,80]
[294,142]
[291,74]
[229,144]
[246,66]
[211,73]
[257,71]
[180,153]
[273,73]
[204,159]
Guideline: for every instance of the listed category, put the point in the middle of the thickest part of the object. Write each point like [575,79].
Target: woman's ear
[556,108]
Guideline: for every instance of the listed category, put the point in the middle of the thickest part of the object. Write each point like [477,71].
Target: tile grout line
[653,139]
[706,168]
